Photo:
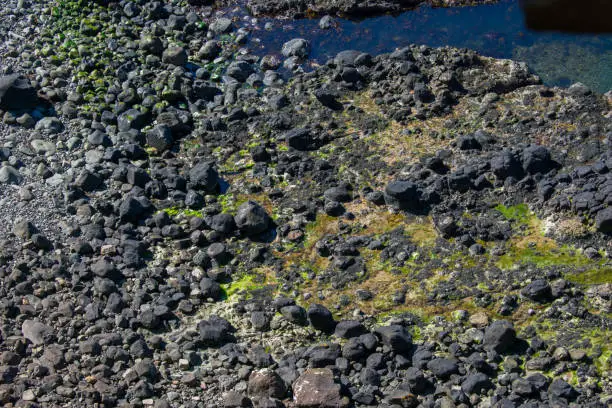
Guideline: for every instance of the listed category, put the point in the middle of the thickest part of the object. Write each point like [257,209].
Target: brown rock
[316,388]
[479,320]
[266,383]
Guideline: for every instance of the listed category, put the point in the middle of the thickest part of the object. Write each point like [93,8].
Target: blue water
[494,30]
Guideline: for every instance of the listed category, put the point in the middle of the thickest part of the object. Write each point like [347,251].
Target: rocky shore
[185,224]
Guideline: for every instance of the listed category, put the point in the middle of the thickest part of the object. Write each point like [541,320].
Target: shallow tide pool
[494,30]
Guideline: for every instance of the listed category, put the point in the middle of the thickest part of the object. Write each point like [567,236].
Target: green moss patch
[175,211]
[244,285]
[519,213]
[595,276]
[542,257]
[529,246]
[248,284]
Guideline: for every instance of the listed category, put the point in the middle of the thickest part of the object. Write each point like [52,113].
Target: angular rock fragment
[300,139]
[349,328]
[160,138]
[175,56]
[537,159]
[251,218]
[402,195]
[500,336]
[395,337]
[505,164]
[36,332]
[316,388]
[204,176]
[266,383]
[215,331]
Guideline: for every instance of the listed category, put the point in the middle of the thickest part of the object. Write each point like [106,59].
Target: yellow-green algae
[175,211]
[246,283]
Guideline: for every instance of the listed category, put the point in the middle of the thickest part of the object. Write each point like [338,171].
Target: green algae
[543,257]
[175,211]
[228,203]
[596,276]
[245,285]
[248,283]
[519,213]
[529,246]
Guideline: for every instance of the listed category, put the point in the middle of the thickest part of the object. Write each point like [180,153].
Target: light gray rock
[35,332]
[10,175]
[43,147]
[49,126]
[298,47]
[221,26]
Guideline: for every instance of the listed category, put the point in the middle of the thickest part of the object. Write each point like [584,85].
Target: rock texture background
[185,224]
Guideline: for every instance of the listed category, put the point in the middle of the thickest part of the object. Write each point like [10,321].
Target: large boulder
[216,331]
[294,314]
[339,194]
[223,223]
[300,139]
[561,389]
[10,175]
[221,26]
[204,176]
[476,383]
[175,56]
[539,291]
[205,91]
[321,318]
[132,119]
[603,221]
[316,388]
[234,399]
[131,209]
[151,45]
[328,98]
[506,164]
[447,226]
[16,93]
[239,70]
[210,289]
[160,138]
[266,383]
[500,336]
[402,195]
[210,50]
[536,159]
[87,181]
[251,218]
[24,229]
[395,337]
[349,328]
[346,57]
[443,367]
[49,126]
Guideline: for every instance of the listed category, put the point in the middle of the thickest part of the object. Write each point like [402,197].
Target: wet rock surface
[347,8]
[186,226]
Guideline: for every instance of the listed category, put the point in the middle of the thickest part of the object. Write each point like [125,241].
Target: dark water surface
[494,30]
